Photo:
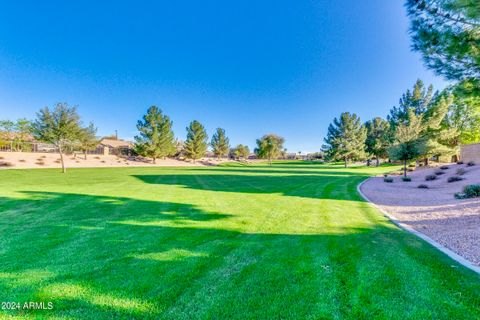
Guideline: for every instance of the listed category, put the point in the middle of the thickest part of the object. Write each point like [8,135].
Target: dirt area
[24,160]
[434,211]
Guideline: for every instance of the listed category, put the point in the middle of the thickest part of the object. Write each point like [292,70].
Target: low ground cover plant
[444,167]
[470,163]
[388,179]
[439,172]
[406,179]
[470,191]
[430,177]
[6,164]
[422,186]
[454,178]
[461,171]
[459,162]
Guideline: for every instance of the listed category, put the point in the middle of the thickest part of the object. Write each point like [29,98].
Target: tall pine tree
[220,143]
[195,146]
[156,139]
[378,138]
[345,139]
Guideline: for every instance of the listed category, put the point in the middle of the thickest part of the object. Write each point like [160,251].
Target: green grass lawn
[290,241]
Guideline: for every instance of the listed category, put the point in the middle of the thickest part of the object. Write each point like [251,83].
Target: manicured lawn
[237,242]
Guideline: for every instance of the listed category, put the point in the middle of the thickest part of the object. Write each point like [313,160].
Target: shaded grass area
[293,240]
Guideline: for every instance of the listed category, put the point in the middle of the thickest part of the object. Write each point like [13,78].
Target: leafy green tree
[195,146]
[464,113]
[156,139]
[240,151]
[269,147]
[60,126]
[220,143]
[420,99]
[87,140]
[346,138]
[433,108]
[447,34]
[378,138]
[409,143]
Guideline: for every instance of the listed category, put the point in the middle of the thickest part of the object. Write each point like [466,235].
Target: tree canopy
[346,138]
[409,144]
[195,146]
[220,143]
[87,140]
[378,138]
[60,126]
[156,139]
[269,147]
[447,34]
[240,151]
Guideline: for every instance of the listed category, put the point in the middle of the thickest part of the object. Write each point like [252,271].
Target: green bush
[459,162]
[470,191]
[388,179]
[430,177]
[454,178]
[470,163]
[439,172]
[406,179]
[444,167]
[422,186]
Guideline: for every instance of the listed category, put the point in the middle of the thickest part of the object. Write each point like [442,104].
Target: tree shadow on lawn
[95,257]
[338,187]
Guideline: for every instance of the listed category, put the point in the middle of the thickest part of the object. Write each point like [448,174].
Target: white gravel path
[434,212]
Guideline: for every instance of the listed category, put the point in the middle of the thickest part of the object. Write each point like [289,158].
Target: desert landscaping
[434,210]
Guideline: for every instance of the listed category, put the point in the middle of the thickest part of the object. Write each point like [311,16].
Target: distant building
[116,146]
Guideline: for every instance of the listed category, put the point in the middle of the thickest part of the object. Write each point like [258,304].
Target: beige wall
[470,152]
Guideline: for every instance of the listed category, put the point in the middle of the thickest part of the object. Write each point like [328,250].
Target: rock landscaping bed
[427,203]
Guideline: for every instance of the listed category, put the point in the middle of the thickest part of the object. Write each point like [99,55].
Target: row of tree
[447,35]
[61,126]
[424,124]
[156,140]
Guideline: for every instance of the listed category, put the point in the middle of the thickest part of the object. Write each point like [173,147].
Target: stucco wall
[470,152]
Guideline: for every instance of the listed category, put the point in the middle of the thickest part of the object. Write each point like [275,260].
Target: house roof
[112,143]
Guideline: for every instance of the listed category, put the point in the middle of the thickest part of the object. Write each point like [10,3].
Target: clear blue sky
[251,67]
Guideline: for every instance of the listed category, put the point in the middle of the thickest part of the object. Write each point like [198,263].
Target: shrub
[461,171]
[430,177]
[40,163]
[470,163]
[388,179]
[454,178]
[406,179]
[444,167]
[6,164]
[439,172]
[385,175]
[21,160]
[470,191]
[43,157]
[459,162]
[422,186]
[411,165]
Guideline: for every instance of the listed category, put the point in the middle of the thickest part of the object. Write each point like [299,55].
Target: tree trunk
[64,170]
[85,154]
[426,161]
[154,160]
[378,162]
[405,167]
[345,162]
